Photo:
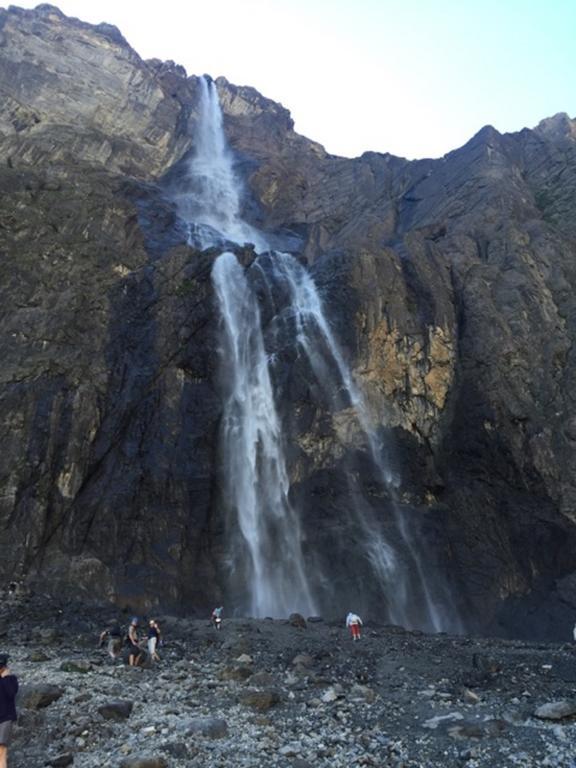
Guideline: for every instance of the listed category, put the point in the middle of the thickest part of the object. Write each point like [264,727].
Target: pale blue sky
[413,77]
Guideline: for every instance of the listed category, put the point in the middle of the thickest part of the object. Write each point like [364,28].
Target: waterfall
[269,555]
[315,336]
[209,197]
[263,530]
[266,546]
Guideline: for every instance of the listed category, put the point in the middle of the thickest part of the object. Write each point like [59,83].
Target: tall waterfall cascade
[210,199]
[267,551]
[273,571]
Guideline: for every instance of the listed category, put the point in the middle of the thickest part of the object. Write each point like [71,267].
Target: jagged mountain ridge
[449,281]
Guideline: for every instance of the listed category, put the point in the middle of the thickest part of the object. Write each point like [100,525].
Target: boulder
[260,701]
[263,679]
[144,761]
[212,727]
[76,666]
[116,710]
[61,761]
[38,657]
[237,672]
[556,710]
[39,696]
[176,749]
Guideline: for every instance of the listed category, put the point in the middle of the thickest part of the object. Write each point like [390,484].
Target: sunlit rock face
[75,91]
[449,283]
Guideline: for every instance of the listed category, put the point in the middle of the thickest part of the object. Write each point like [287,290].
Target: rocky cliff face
[449,282]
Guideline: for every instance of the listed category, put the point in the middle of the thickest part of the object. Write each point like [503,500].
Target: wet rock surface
[395,699]
[450,283]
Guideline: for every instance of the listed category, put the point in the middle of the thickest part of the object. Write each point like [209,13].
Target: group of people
[137,649]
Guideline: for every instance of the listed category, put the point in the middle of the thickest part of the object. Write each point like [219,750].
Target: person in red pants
[355,623]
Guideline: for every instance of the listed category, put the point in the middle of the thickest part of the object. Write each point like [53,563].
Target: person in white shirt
[355,623]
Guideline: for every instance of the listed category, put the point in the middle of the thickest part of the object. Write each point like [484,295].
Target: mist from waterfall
[268,560]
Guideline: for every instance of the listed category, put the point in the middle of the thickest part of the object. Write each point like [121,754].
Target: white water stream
[268,555]
[210,200]
[266,549]
[316,338]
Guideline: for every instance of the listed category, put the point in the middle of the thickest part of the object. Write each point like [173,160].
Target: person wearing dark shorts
[8,691]
[135,653]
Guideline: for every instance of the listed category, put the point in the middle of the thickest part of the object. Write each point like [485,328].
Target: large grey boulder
[556,710]
[39,696]
[144,761]
[116,710]
[212,727]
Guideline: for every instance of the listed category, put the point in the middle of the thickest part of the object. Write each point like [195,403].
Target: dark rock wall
[449,282]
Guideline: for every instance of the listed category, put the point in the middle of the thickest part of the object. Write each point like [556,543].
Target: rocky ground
[286,693]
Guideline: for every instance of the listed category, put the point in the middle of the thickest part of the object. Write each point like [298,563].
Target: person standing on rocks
[153,639]
[355,623]
[134,651]
[217,617]
[8,691]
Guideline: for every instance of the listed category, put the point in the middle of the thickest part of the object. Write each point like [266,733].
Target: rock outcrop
[450,283]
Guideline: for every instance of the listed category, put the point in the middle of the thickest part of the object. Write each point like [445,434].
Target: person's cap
[134,620]
[4,659]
